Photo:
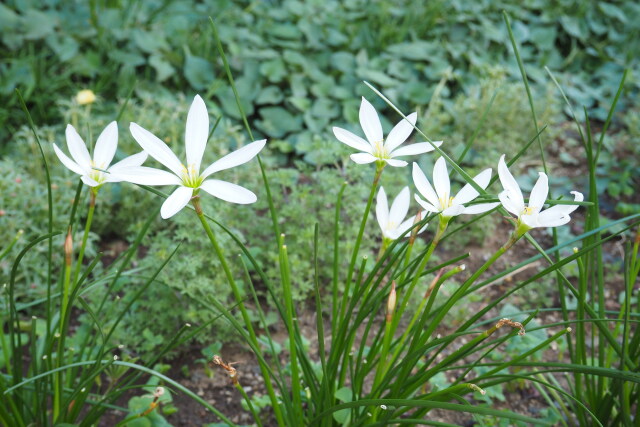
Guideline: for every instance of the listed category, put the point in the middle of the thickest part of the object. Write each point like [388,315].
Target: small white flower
[188,178]
[440,201]
[392,220]
[377,148]
[105,149]
[530,216]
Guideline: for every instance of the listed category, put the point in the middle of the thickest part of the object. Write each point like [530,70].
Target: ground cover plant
[380,299]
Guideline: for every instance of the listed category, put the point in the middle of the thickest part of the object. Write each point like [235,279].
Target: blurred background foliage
[299,67]
[300,64]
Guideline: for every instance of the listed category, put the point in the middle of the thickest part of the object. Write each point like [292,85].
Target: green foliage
[299,65]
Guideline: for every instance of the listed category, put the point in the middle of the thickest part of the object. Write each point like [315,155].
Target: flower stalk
[195,201]
[87,227]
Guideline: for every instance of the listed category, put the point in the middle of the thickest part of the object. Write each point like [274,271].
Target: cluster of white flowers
[438,197]
[97,170]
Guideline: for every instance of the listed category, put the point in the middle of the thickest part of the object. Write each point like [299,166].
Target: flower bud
[391,302]
[68,248]
[85,97]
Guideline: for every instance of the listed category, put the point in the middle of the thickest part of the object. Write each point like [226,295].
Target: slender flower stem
[356,248]
[470,281]
[66,284]
[442,227]
[340,330]
[87,227]
[239,300]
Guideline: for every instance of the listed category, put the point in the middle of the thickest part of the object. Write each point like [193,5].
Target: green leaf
[270,95]
[613,11]
[416,51]
[277,122]
[198,72]
[273,70]
[343,395]
[163,68]
[37,25]
[64,46]
[149,42]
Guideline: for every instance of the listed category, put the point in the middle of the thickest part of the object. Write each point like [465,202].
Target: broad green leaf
[198,72]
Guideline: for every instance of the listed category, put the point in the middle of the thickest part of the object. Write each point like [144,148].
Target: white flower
[105,149]
[188,178]
[391,220]
[531,216]
[440,201]
[377,149]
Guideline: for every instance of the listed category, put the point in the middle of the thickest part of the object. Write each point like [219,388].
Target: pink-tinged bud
[391,302]
[68,248]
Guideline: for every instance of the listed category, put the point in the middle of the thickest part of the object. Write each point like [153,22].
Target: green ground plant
[299,64]
[375,357]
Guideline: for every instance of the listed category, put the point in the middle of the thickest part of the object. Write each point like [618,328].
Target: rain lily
[530,216]
[188,178]
[440,200]
[392,220]
[377,149]
[92,170]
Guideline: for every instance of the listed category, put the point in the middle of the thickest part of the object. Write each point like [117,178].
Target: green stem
[442,227]
[256,415]
[239,300]
[87,227]
[354,255]
[460,292]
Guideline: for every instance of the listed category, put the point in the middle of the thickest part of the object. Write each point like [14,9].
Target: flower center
[379,150]
[527,211]
[95,174]
[445,202]
[391,225]
[190,176]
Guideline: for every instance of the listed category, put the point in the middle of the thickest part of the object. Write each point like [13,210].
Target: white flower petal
[352,140]
[539,193]
[67,162]
[452,211]
[509,204]
[176,201]
[127,162]
[424,187]
[147,176]
[400,206]
[77,148]
[228,192]
[156,148]
[89,181]
[559,211]
[396,163]
[363,158]
[552,220]
[235,158]
[409,223]
[441,181]
[370,122]
[106,146]
[428,206]
[400,133]
[530,220]
[479,208]
[468,193]
[413,149]
[197,132]
[577,197]
[382,209]
[510,186]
